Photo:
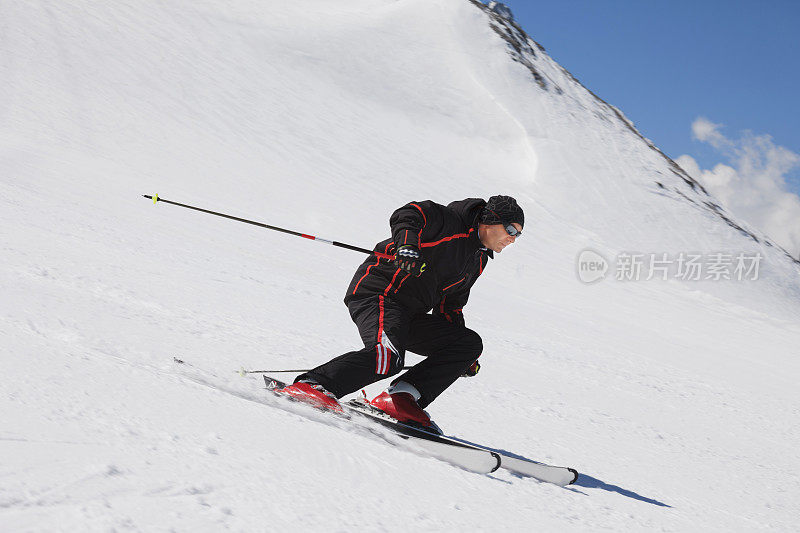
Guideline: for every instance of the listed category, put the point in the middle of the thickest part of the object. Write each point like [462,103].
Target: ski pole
[155,199]
[243,372]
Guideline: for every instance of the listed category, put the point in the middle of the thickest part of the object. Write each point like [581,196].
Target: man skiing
[439,254]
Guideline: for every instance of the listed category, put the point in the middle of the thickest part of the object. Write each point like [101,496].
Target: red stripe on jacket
[389,286]
[450,238]
[380,319]
[456,283]
[385,250]
[401,283]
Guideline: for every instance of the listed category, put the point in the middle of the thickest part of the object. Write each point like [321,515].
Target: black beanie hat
[502,210]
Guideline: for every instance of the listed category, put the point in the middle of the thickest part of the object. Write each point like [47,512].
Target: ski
[449,445]
[558,475]
[460,454]
[366,418]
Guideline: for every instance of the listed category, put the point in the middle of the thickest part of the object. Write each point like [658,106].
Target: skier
[439,254]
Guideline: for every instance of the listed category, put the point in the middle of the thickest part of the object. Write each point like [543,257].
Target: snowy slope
[675,399]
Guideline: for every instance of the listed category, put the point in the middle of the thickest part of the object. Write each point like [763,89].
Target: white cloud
[752,185]
[706,131]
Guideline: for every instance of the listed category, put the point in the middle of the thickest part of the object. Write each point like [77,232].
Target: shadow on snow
[589,482]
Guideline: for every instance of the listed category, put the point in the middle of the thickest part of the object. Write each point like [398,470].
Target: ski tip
[273,384]
[574,473]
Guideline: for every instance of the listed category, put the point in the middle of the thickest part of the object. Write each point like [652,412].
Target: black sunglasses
[514,232]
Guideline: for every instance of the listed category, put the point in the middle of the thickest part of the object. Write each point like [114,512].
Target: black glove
[472,371]
[409,259]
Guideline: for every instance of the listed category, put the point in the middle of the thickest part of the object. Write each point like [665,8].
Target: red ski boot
[313,394]
[402,407]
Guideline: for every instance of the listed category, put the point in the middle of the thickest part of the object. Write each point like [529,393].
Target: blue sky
[664,64]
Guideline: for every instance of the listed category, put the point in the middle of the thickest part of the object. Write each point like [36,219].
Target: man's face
[495,237]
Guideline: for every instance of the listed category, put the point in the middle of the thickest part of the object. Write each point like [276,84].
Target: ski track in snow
[676,401]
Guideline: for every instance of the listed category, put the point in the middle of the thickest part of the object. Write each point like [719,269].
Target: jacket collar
[476,238]
[469,210]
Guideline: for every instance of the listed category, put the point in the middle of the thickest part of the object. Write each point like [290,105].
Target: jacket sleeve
[417,222]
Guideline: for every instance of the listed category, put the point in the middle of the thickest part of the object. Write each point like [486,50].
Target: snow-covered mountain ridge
[675,399]
[524,51]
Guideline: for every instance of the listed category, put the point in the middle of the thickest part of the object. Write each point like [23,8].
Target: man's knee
[473,344]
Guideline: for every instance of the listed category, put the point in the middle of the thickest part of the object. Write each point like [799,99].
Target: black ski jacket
[448,240]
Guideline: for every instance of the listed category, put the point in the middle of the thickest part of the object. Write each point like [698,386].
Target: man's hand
[472,371]
[409,259]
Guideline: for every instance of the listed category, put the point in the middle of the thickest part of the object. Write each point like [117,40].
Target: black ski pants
[388,329]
